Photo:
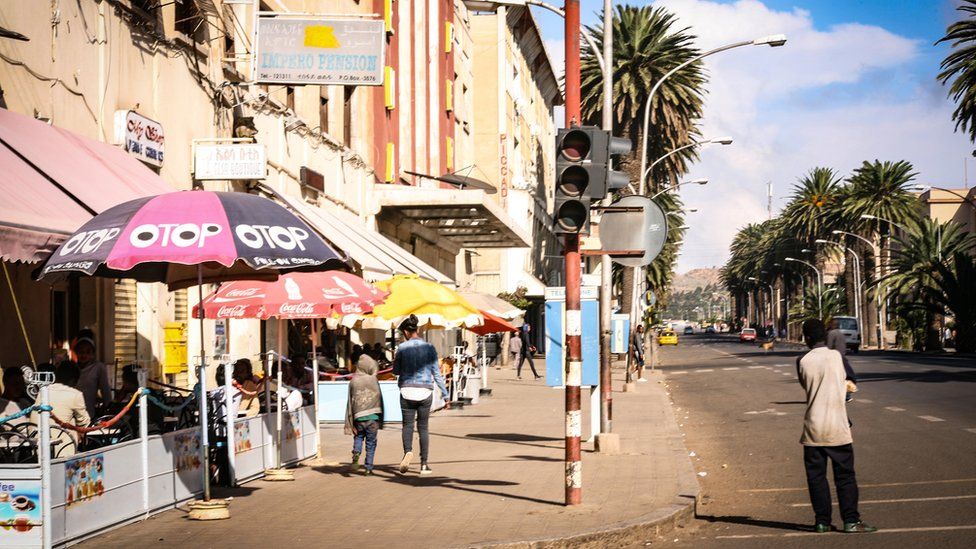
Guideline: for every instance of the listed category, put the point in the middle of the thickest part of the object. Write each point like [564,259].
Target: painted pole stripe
[574,423]
[575,374]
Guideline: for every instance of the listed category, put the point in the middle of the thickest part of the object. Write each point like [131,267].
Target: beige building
[364,165]
[514,99]
[957,205]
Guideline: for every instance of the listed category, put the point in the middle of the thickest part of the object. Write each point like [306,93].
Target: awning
[377,256]
[492,304]
[467,218]
[54,180]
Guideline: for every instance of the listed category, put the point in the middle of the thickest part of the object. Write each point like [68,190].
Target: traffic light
[582,175]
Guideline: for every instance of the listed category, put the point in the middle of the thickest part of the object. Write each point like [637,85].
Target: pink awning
[52,180]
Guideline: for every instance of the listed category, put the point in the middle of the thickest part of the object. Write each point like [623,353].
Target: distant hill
[695,278]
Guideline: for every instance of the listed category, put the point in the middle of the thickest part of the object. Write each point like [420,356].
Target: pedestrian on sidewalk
[416,367]
[515,346]
[527,351]
[827,432]
[637,347]
[364,412]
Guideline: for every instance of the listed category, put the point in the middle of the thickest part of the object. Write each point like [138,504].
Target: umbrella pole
[207,509]
[204,439]
[315,387]
[278,473]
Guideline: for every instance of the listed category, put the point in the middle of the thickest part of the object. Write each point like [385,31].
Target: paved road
[741,409]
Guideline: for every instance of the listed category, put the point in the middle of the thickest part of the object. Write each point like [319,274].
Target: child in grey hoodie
[364,412]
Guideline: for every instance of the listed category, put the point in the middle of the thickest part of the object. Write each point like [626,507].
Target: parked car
[667,337]
[747,334]
[710,330]
[689,330]
[848,325]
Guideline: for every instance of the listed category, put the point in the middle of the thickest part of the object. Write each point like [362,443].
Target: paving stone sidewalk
[497,479]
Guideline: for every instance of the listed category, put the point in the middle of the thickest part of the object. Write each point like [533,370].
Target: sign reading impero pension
[231,161]
[319,51]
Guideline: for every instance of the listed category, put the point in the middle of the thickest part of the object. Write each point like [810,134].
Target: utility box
[174,348]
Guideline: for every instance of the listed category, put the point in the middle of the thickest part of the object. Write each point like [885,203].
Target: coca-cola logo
[305,308]
[242,292]
[349,308]
[231,311]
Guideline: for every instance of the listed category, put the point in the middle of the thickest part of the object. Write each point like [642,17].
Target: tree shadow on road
[930,376]
[749,521]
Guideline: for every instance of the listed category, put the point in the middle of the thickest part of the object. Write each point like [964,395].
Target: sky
[856,81]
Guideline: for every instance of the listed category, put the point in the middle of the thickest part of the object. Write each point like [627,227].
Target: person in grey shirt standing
[827,432]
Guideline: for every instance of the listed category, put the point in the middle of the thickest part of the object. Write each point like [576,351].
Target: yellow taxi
[667,337]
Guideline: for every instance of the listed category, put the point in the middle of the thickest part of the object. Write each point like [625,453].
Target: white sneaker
[641,380]
[405,462]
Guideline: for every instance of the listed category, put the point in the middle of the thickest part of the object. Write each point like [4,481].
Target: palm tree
[959,67]
[915,262]
[810,212]
[953,291]
[647,43]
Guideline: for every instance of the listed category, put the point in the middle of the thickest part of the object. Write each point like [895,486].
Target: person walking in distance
[417,371]
[515,346]
[637,346]
[827,432]
[528,351]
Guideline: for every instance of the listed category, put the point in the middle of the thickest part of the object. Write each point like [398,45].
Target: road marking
[705,371]
[881,531]
[754,367]
[731,368]
[972,430]
[903,500]
[880,485]
[865,400]
[679,372]
[931,418]
[894,409]
[785,374]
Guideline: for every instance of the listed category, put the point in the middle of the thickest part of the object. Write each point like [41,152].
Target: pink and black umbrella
[189,238]
[183,238]
[293,296]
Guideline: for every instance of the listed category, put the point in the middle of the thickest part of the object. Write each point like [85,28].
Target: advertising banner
[320,51]
[20,513]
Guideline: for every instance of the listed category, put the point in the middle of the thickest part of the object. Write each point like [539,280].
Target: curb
[658,522]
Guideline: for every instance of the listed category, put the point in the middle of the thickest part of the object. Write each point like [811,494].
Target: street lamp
[702,181]
[888,221]
[875,249]
[717,141]
[773,41]
[819,280]
[926,188]
[858,283]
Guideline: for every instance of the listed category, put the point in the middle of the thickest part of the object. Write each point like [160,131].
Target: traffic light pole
[571,254]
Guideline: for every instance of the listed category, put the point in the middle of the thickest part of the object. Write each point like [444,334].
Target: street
[741,409]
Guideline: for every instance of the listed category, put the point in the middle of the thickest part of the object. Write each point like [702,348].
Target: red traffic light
[575,145]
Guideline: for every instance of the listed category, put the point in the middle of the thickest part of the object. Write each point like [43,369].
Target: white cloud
[783,109]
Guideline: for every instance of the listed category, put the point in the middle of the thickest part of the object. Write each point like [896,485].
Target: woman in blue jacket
[417,371]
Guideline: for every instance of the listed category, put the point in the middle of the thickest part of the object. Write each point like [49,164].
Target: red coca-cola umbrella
[328,295]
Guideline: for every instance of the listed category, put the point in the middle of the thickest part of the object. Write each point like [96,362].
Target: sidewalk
[498,479]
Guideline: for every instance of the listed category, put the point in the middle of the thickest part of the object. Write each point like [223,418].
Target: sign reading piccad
[319,51]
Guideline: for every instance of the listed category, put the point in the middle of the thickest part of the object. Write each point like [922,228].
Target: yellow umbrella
[436,306]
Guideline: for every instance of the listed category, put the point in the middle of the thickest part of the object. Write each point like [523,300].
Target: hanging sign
[319,51]
[229,161]
[141,137]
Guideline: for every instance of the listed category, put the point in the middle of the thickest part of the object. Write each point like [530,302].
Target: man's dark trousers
[842,459]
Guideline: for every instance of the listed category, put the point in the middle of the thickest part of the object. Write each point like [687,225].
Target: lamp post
[858,284]
[875,249]
[819,280]
[774,40]
[701,181]
[718,141]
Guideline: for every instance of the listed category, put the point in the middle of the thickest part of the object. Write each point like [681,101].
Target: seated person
[15,388]
[251,387]
[67,403]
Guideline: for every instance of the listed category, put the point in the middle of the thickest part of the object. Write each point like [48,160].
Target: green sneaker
[858,528]
[354,466]
[821,528]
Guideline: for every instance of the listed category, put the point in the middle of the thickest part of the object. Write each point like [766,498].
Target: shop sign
[141,137]
[349,52]
[229,161]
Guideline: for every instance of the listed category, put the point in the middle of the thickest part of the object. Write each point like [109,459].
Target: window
[290,98]
[190,20]
[324,110]
[347,115]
